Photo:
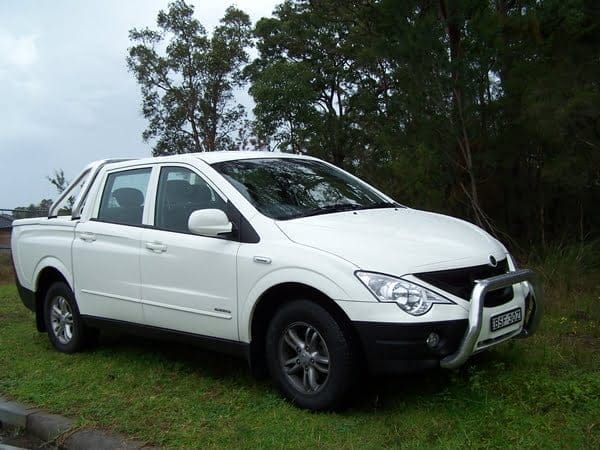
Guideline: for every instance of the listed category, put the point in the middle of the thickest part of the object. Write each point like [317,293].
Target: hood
[396,241]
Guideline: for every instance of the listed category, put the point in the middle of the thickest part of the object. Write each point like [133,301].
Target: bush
[567,266]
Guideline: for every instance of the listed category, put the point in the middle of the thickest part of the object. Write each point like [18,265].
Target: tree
[340,79]
[187,79]
[486,110]
[39,210]
[303,82]
[60,182]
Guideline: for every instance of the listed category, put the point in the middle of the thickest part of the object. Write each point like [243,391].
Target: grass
[543,392]
[562,265]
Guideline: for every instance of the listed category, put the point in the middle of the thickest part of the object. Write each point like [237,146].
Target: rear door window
[124,196]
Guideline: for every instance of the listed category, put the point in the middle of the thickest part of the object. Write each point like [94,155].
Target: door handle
[156,247]
[87,237]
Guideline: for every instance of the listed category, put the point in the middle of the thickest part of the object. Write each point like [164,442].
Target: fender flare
[306,277]
[55,263]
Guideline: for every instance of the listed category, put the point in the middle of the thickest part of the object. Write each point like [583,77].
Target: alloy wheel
[61,319]
[304,357]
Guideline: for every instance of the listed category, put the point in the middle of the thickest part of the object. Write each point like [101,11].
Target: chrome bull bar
[482,287]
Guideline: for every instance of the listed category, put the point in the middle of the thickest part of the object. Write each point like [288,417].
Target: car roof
[214,157]
[208,157]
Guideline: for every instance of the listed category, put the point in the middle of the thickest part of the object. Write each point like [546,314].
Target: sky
[66,96]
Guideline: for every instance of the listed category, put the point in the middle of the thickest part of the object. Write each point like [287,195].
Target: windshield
[288,188]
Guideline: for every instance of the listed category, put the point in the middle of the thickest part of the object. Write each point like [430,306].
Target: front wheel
[63,321]
[309,356]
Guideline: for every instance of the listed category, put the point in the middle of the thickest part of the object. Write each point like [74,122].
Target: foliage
[563,265]
[304,83]
[486,110]
[39,210]
[187,79]
[60,182]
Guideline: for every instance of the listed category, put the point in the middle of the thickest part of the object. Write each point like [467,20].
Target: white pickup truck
[310,273]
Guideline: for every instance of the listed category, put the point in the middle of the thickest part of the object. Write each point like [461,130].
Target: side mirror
[209,222]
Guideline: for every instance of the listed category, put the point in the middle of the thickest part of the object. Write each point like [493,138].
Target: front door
[188,281]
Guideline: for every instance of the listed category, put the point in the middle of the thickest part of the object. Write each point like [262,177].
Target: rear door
[106,249]
[188,281]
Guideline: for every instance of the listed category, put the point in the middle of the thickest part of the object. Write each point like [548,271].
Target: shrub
[566,266]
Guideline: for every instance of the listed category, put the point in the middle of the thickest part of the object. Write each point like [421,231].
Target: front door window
[180,193]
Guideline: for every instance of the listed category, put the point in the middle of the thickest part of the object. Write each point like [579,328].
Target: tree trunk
[453,26]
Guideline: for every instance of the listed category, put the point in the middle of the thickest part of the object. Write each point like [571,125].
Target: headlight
[411,297]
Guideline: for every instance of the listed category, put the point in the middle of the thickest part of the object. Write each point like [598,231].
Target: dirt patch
[4,239]
[7,274]
[585,341]
[15,437]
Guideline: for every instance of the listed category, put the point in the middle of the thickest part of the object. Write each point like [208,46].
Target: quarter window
[180,193]
[123,197]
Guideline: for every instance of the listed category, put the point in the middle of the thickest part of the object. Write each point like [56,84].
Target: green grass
[543,392]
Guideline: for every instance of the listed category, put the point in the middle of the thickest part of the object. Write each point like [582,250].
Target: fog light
[433,340]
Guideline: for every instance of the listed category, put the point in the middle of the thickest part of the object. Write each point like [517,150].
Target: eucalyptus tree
[187,79]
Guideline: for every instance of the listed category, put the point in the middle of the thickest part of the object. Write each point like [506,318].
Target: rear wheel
[63,321]
[309,356]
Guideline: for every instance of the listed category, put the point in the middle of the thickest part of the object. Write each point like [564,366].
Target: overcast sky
[66,97]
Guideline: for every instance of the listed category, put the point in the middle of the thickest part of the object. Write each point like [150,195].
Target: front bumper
[402,347]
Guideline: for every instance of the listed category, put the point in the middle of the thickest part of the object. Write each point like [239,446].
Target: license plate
[506,319]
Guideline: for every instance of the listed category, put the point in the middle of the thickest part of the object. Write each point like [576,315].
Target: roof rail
[87,177]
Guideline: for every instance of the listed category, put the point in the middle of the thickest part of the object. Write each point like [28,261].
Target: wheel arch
[46,275]
[267,305]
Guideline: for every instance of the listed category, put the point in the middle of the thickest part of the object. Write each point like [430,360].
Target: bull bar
[482,287]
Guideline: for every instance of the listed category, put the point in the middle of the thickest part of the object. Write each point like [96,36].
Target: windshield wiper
[341,207]
[326,210]
[380,205]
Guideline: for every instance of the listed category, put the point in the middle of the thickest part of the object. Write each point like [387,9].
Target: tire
[66,330]
[309,356]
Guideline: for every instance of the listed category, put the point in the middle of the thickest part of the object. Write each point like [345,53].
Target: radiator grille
[460,282]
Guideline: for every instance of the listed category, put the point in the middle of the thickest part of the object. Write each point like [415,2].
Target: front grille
[461,282]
